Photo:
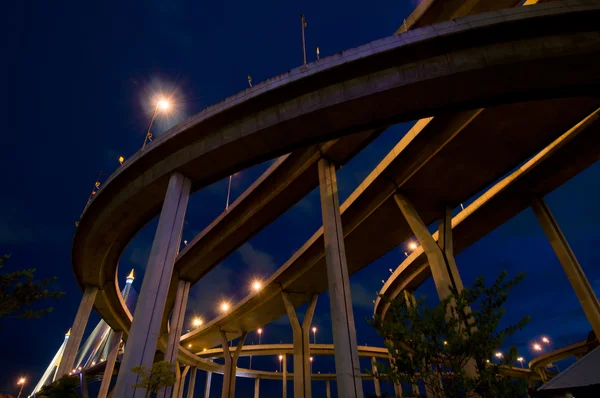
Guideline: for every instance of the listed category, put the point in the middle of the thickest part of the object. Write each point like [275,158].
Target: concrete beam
[113,343]
[347,365]
[230,364]
[145,328]
[74,341]
[301,333]
[579,282]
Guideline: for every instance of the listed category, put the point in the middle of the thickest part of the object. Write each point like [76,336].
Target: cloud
[362,298]
[205,296]
[257,261]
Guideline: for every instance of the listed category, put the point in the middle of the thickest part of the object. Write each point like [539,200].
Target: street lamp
[197,322]
[412,246]
[314,330]
[311,360]
[521,359]
[224,307]
[545,340]
[256,285]
[121,159]
[161,105]
[499,355]
[259,331]
[537,347]
[280,362]
[21,382]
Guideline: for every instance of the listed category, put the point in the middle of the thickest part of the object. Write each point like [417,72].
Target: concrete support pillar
[301,332]
[113,351]
[74,341]
[84,386]
[230,365]
[256,387]
[579,282]
[179,384]
[327,388]
[192,383]
[375,377]
[183,289]
[435,257]
[284,378]
[207,388]
[347,366]
[446,244]
[146,324]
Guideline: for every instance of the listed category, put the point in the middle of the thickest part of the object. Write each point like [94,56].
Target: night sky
[78,79]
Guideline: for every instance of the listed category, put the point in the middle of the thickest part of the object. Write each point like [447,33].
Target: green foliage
[18,292]
[65,387]
[162,374]
[454,341]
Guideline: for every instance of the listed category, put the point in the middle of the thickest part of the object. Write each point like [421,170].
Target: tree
[437,345]
[65,387]
[19,292]
[162,374]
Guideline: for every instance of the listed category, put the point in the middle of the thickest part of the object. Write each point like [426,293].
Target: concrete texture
[192,383]
[230,365]
[113,344]
[146,324]
[347,365]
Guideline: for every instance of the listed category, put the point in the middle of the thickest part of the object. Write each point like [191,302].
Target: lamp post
[21,382]
[303,20]
[314,330]
[521,359]
[280,362]
[161,105]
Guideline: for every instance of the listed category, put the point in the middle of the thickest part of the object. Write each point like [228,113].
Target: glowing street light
[224,307]
[311,361]
[537,347]
[412,246]
[521,359]
[499,355]
[280,362]
[21,382]
[121,159]
[256,285]
[197,322]
[545,340]
[314,330]
[259,331]
[161,105]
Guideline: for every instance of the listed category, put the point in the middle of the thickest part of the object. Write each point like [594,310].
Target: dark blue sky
[77,80]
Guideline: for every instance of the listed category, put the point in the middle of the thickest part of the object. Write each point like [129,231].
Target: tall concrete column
[327,388]
[145,328]
[74,341]
[579,282]
[178,388]
[192,383]
[347,366]
[207,388]
[435,257]
[84,386]
[257,387]
[301,333]
[284,378]
[230,365]
[113,343]
[183,289]
[375,377]
[446,244]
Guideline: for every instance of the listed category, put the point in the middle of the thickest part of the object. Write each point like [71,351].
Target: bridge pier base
[111,359]
[180,382]
[192,383]
[145,328]
[183,289]
[301,333]
[257,387]
[230,365]
[76,334]
[284,378]
[579,282]
[347,366]
[328,388]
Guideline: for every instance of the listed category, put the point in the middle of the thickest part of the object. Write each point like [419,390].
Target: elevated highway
[364,86]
